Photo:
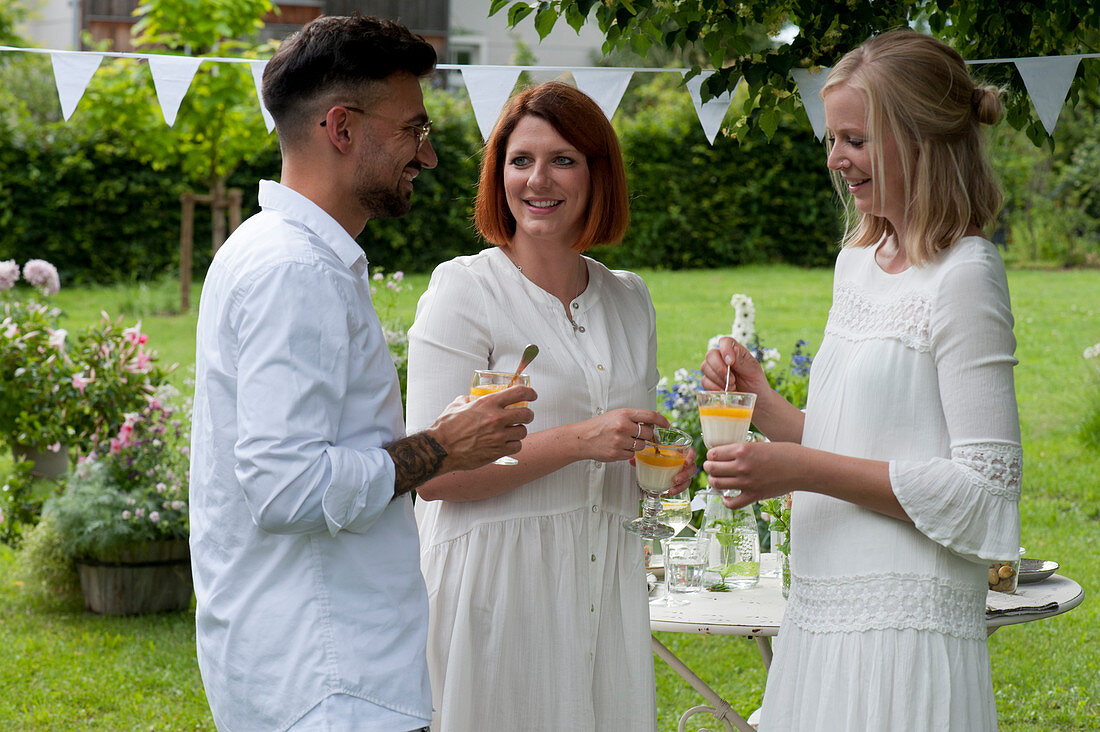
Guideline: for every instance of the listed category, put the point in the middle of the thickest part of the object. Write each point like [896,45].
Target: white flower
[57,338]
[1092,351]
[771,358]
[744,318]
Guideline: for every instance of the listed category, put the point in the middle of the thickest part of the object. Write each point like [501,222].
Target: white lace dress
[885,626]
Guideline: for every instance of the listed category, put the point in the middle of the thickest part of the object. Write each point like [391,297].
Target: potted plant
[58,391]
[122,517]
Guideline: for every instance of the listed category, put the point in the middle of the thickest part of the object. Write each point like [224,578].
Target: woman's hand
[745,372]
[758,469]
[616,435]
[683,478]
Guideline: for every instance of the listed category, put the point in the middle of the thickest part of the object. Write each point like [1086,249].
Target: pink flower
[55,447]
[398,276]
[42,275]
[80,381]
[126,515]
[9,274]
[141,363]
[134,335]
[154,516]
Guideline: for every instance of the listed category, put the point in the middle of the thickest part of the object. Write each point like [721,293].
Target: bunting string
[1046,78]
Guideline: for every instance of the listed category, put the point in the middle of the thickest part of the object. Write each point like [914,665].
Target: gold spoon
[529,353]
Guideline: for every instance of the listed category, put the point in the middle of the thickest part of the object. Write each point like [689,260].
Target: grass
[63,669]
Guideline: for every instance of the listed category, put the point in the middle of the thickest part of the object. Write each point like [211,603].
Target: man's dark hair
[338,55]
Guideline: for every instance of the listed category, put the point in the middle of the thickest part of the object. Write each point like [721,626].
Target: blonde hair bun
[986,103]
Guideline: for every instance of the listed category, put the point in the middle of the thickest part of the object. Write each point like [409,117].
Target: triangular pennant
[71,72]
[809,88]
[605,86]
[489,89]
[1047,80]
[257,68]
[172,76]
[712,112]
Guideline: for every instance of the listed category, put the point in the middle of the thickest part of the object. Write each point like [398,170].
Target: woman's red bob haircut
[582,123]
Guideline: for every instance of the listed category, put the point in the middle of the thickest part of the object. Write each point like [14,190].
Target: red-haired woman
[539,618]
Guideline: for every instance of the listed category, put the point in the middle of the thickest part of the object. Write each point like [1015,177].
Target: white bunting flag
[1048,80]
[257,68]
[809,88]
[605,86]
[712,112]
[172,77]
[71,72]
[489,88]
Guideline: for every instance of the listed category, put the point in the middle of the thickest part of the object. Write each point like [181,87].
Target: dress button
[593,557]
[599,367]
[580,328]
[599,410]
[575,306]
[595,509]
[593,608]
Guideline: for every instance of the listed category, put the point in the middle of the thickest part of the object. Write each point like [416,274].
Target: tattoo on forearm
[417,458]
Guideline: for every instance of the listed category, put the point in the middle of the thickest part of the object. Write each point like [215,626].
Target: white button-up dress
[538,609]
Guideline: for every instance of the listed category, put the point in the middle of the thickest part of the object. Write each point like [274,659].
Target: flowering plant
[56,390]
[131,487]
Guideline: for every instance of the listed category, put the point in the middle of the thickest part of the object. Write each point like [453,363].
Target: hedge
[99,216]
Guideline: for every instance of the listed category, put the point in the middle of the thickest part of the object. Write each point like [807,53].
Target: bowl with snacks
[1004,576]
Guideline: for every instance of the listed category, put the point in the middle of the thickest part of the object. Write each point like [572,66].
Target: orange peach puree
[667,459]
[726,412]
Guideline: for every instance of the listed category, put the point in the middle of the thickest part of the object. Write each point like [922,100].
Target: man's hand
[477,431]
[468,434]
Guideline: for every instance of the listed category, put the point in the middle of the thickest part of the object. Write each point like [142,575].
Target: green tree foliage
[218,126]
[722,31]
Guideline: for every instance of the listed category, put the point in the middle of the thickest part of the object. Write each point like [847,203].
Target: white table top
[757,611]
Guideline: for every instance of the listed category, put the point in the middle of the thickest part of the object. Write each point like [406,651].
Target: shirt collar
[277,197]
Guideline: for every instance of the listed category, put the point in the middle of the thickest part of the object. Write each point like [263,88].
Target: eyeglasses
[421,131]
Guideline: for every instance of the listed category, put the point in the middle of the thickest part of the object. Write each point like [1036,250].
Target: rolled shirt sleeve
[297,469]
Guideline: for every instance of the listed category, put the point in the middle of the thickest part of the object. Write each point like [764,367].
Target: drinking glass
[656,465]
[734,550]
[685,563]
[486,382]
[677,512]
[725,417]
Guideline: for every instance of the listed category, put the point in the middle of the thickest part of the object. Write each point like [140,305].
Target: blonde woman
[907,461]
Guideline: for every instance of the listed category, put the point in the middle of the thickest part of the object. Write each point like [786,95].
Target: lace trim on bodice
[855,316]
[996,467]
[887,602]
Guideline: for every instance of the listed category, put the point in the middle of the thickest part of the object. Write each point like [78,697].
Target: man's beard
[379,202]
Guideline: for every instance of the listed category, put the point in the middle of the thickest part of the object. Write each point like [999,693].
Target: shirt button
[593,557]
[576,305]
[599,410]
[595,509]
[598,464]
[593,608]
[580,328]
[599,367]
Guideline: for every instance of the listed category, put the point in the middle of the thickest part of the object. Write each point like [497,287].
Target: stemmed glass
[725,417]
[486,382]
[677,512]
[656,466]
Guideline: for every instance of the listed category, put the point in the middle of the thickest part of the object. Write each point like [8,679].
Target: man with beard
[311,611]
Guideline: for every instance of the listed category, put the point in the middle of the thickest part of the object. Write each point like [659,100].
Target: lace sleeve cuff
[968,504]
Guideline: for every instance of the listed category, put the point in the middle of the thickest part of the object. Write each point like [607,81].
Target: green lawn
[62,669]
